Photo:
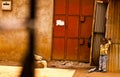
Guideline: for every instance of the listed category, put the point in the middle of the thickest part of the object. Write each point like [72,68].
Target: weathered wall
[13,33]
[13,36]
[44,27]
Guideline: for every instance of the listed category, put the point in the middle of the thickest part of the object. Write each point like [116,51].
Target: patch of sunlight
[54,72]
[9,71]
[14,71]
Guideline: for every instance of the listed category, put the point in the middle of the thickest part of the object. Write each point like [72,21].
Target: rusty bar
[28,64]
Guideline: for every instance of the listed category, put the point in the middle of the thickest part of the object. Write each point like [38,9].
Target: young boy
[104,47]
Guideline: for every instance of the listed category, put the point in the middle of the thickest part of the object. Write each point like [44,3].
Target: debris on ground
[68,64]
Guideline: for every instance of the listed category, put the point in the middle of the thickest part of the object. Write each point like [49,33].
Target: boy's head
[103,40]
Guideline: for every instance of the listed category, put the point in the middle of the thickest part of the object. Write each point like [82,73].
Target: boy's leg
[100,63]
[104,63]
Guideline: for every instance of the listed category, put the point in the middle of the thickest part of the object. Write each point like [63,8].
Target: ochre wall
[44,26]
[13,32]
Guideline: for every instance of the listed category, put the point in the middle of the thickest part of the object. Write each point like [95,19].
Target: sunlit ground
[14,71]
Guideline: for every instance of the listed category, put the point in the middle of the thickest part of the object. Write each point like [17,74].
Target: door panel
[84,53]
[86,27]
[60,6]
[59,28]
[58,50]
[73,7]
[73,23]
[72,49]
[87,7]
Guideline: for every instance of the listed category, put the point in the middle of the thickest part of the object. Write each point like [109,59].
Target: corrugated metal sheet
[114,58]
[113,32]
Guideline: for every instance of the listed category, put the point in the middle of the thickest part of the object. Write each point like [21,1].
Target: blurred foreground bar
[28,64]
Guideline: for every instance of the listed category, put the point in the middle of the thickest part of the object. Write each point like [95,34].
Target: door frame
[98,31]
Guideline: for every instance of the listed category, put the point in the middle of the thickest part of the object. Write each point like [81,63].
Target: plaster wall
[14,35]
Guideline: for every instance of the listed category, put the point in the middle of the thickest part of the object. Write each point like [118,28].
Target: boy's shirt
[104,48]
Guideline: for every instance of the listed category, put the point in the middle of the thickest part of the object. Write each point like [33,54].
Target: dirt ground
[84,73]
[55,69]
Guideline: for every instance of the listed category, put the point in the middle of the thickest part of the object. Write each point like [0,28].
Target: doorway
[99,30]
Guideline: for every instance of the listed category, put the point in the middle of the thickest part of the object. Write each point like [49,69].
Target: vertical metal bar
[28,64]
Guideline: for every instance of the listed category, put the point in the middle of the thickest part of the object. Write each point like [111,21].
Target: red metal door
[72,28]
